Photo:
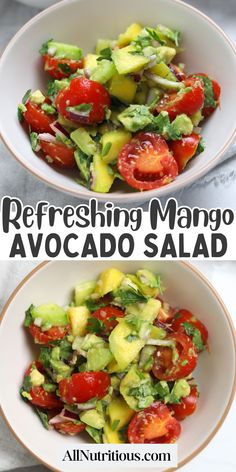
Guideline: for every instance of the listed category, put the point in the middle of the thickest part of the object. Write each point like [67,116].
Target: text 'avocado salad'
[128,111]
[116,363]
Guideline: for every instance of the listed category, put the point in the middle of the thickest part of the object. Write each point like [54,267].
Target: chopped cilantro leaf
[26,96]
[45,356]
[105,54]
[44,48]
[115,424]
[96,434]
[28,316]
[83,109]
[195,333]
[65,68]
[49,109]
[128,297]
[27,383]
[94,305]
[34,141]
[201,147]
[208,92]
[95,325]
[43,417]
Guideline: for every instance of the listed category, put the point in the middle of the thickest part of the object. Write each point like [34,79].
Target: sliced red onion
[59,129]
[78,117]
[87,73]
[197,129]
[86,406]
[64,415]
[47,137]
[164,326]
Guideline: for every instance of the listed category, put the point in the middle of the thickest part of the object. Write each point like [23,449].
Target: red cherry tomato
[37,119]
[60,68]
[184,316]
[154,425]
[83,91]
[188,102]
[146,163]
[184,149]
[81,387]
[108,315]
[46,337]
[69,427]
[208,110]
[61,155]
[43,399]
[187,405]
[165,369]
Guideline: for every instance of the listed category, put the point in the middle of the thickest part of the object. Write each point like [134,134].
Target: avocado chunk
[98,357]
[110,436]
[141,94]
[83,140]
[124,345]
[36,378]
[61,50]
[37,97]
[150,310]
[129,35]
[119,413]
[90,62]
[126,62]
[122,87]
[182,124]
[92,418]
[135,117]
[196,118]
[108,281]
[78,317]
[165,54]
[136,389]
[181,389]
[103,72]
[83,163]
[163,70]
[112,143]
[50,315]
[83,291]
[104,44]
[87,342]
[60,369]
[102,176]
[147,358]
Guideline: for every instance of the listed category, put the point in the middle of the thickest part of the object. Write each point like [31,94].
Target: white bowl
[207,49]
[54,281]
[38,3]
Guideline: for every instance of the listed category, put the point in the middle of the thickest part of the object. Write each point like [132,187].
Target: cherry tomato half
[184,316]
[81,387]
[83,91]
[165,369]
[187,405]
[208,110]
[188,102]
[37,119]
[61,155]
[60,68]
[154,425]
[146,162]
[69,427]
[184,149]
[108,315]
[46,337]
[43,399]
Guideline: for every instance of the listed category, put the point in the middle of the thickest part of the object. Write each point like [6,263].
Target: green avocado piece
[50,314]
[98,357]
[103,72]
[180,390]
[124,345]
[165,54]
[130,388]
[83,140]
[182,124]
[83,291]
[126,61]
[104,44]
[61,50]
[135,117]
[92,418]
[102,176]
[60,369]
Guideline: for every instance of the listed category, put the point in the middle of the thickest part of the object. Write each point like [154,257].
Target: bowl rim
[140,197]
[214,292]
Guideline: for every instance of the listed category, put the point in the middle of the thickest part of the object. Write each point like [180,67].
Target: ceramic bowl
[82,22]
[207,49]
[53,282]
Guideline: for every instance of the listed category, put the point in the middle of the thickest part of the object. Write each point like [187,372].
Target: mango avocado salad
[128,112]
[116,363]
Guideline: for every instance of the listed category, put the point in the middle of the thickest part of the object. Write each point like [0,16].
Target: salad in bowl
[117,363]
[129,111]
